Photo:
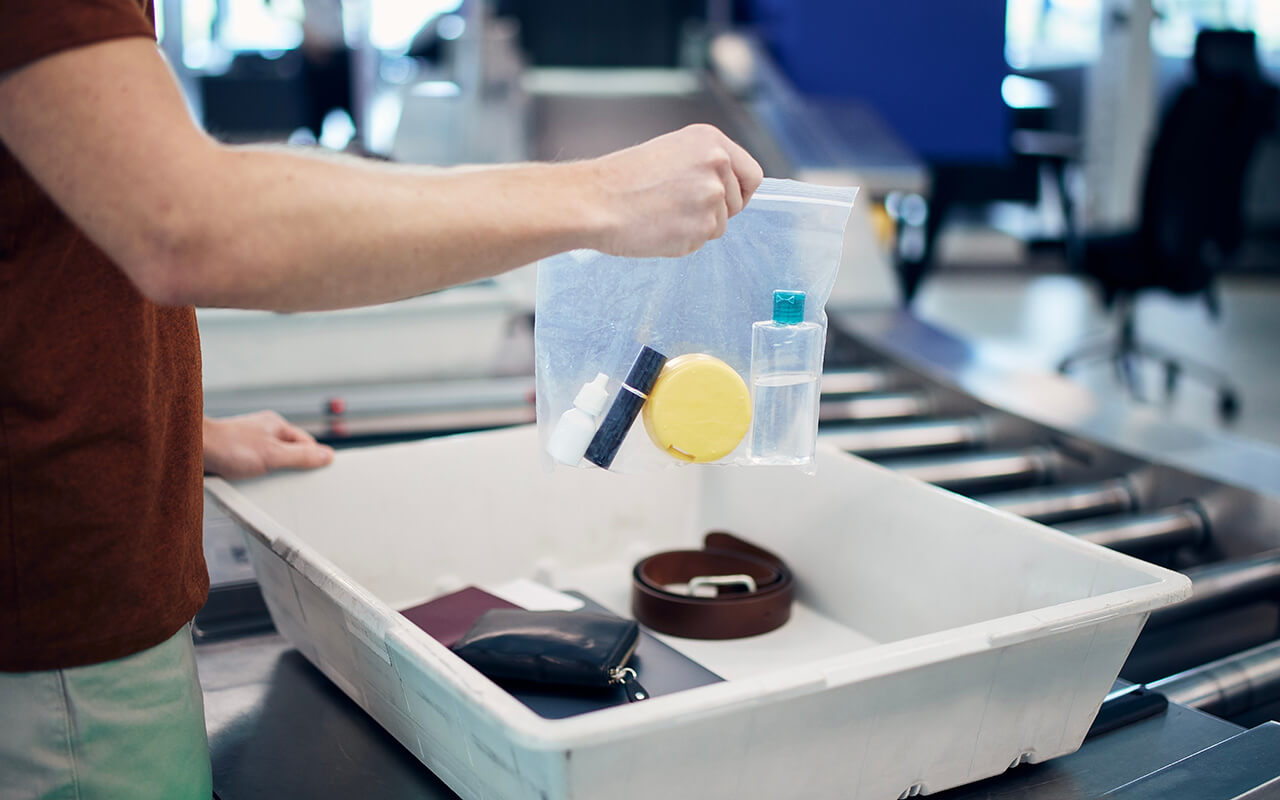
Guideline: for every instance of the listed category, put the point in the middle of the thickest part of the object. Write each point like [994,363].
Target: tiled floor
[1033,320]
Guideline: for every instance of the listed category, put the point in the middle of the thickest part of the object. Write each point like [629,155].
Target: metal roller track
[1061,504]
[336,429]
[856,380]
[1219,587]
[968,471]
[1228,686]
[876,406]
[907,437]
[1153,532]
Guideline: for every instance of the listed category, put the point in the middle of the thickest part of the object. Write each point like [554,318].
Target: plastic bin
[935,641]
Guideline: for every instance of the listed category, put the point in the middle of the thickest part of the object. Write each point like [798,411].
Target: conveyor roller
[1219,587]
[1228,686]
[1062,503]
[875,406]
[965,472]
[1153,532]
[907,437]
[855,380]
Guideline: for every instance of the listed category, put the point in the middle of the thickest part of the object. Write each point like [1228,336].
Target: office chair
[1192,219]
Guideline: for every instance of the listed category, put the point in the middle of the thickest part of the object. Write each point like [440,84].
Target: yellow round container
[698,410]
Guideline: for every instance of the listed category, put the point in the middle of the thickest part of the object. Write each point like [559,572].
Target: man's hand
[668,196]
[255,444]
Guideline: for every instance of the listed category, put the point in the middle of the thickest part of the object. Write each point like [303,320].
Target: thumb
[299,455]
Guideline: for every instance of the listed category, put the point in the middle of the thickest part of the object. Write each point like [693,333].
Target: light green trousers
[130,729]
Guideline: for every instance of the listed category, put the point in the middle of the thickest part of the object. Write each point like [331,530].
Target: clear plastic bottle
[786,368]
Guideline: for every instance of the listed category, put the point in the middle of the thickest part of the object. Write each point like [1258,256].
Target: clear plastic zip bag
[711,358]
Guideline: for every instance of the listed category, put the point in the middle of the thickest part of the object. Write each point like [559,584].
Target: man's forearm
[295,231]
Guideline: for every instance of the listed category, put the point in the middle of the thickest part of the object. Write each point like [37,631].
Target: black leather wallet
[557,648]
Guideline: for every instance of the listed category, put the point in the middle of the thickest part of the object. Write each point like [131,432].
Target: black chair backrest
[1193,197]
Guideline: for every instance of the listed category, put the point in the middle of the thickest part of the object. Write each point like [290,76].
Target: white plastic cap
[592,396]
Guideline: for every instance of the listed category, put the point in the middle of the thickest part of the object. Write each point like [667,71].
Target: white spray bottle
[572,434]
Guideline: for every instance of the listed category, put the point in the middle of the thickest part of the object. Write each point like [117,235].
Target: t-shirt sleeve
[33,29]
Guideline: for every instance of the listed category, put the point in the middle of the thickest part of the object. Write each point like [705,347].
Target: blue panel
[932,68]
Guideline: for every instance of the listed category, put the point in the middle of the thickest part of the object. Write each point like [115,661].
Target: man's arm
[104,130]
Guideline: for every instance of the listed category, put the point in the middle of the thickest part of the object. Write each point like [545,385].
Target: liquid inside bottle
[784,426]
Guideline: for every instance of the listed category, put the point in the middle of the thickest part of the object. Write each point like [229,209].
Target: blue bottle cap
[788,307]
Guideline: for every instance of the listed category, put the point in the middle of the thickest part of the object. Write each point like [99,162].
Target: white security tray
[934,642]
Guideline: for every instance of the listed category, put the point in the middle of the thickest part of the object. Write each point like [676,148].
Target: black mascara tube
[626,407]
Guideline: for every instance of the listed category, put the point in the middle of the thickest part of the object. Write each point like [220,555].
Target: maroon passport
[449,616]
[662,670]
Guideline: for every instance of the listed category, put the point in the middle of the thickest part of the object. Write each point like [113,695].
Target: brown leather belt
[741,590]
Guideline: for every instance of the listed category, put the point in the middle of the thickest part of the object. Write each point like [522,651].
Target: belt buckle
[709,585]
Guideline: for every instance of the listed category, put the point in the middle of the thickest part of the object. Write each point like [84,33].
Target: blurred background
[1059,292]
[1014,192]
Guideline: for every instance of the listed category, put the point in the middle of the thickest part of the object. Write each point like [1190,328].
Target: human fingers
[724,156]
[292,433]
[733,196]
[298,455]
[747,170]
[722,220]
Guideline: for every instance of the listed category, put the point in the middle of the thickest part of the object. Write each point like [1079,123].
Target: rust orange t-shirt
[100,411]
